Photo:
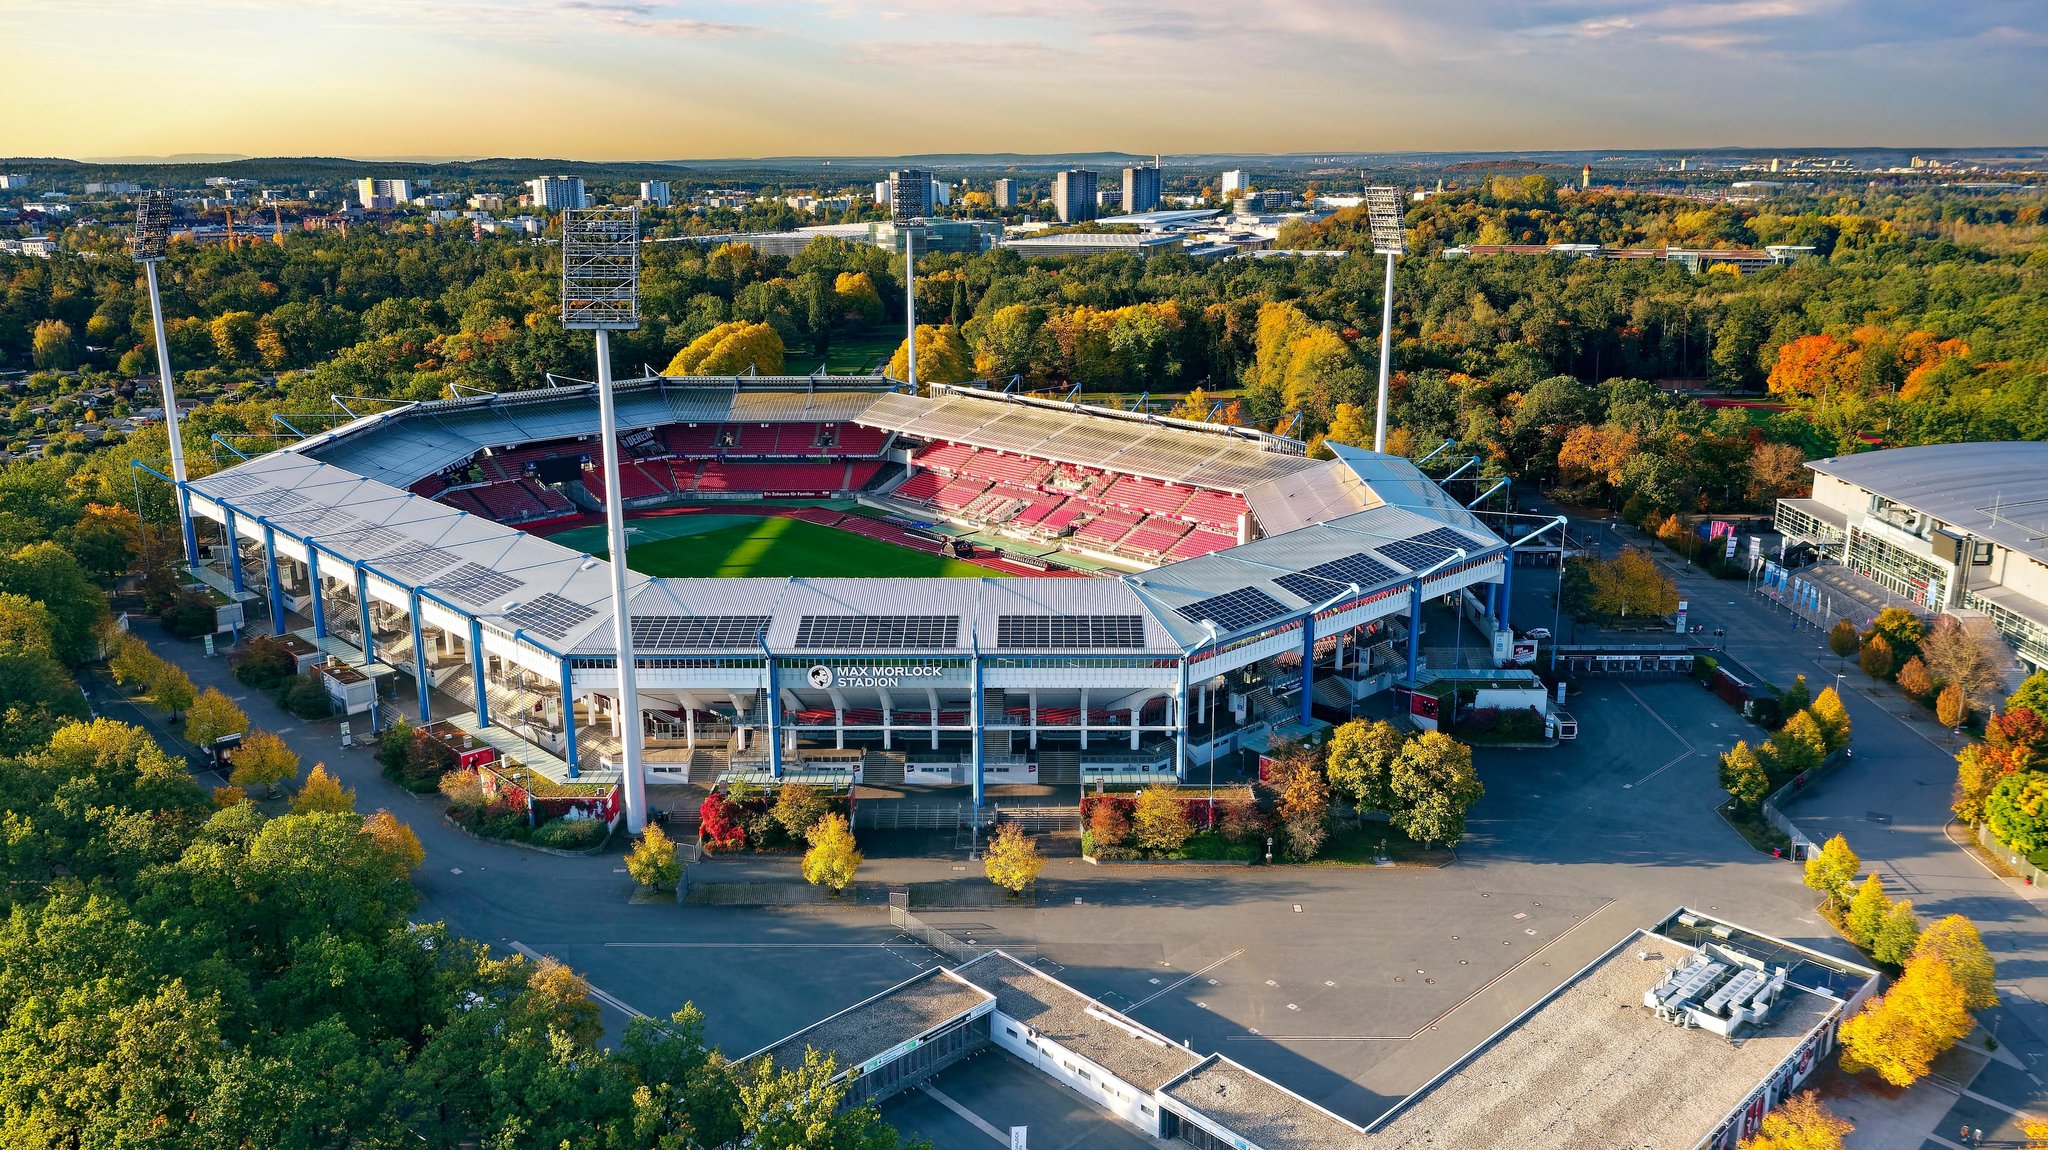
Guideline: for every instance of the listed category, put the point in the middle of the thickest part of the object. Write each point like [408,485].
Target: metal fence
[2020,864]
[955,950]
[1802,847]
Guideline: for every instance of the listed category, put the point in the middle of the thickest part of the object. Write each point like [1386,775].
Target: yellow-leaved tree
[652,861]
[730,349]
[833,857]
[1012,860]
[323,792]
[1900,1033]
[263,760]
[213,715]
[1800,1123]
[942,356]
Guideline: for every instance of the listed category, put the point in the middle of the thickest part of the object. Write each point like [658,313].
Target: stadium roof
[1215,456]
[1994,491]
[1163,220]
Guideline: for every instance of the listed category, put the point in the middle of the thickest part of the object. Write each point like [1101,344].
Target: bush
[1766,712]
[414,759]
[1242,821]
[501,820]
[1483,720]
[188,615]
[1704,666]
[570,834]
[720,824]
[264,663]
[1523,723]
[306,697]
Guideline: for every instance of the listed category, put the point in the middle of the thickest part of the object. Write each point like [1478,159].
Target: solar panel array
[1070,632]
[1326,579]
[1426,549]
[549,614]
[696,632]
[1234,610]
[477,585]
[876,632]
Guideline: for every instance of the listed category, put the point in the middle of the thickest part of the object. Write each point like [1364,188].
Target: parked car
[1538,634]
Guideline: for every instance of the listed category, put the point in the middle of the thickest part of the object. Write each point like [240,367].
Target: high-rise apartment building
[654,193]
[1236,182]
[910,194]
[1141,188]
[1006,193]
[383,193]
[1073,195]
[557,192]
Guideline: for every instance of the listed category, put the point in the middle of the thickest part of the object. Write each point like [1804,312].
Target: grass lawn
[775,547]
[854,354]
[1354,845]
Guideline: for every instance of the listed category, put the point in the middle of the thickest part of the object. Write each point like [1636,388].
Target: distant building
[13,183]
[1141,188]
[654,193]
[969,236]
[112,188]
[1006,193]
[556,193]
[1073,195]
[487,202]
[1093,243]
[1235,182]
[375,194]
[942,193]
[882,192]
[910,194]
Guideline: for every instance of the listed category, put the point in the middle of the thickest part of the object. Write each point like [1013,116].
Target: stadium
[950,587]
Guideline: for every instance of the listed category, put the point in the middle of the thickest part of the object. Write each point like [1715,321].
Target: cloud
[659,19]
[973,55]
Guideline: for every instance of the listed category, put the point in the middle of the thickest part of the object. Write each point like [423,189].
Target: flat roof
[878,1025]
[1592,1066]
[1130,1050]
[1262,1112]
[1994,491]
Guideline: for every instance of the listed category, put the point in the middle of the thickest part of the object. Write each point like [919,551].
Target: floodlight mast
[152,244]
[1389,239]
[601,294]
[909,306]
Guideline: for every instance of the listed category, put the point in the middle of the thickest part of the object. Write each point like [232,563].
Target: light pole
[601,294]
[909,304]
[152,244]
[1389,239]
[1209,694]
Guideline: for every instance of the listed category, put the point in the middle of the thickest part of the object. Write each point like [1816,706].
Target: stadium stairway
[881,769]
[1059,768]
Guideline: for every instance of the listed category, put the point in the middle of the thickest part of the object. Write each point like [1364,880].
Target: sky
[627,80]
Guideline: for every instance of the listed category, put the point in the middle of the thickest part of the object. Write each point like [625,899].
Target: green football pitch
[734,546]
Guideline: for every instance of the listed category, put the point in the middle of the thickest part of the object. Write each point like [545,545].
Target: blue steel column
[363,614]
[276,589]
[1187,726]
[569,717]
[1414,627]
[1308,667]
[975,716]
[476,673]
[419,658]
[1507,581]
[185,506]
[227,515]
[772,705]
[319,595]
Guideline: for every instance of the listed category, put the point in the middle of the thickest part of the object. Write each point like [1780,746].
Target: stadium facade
[1235,582]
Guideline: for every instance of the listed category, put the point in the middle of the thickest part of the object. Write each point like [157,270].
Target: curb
[592,852]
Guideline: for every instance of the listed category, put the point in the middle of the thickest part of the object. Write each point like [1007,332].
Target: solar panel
[477,585]
[1426,549]
[1326,579]
[696,632]
[1086,632]
[1234,610]
[417,562]
[231,484]
[876,632]
[549,614]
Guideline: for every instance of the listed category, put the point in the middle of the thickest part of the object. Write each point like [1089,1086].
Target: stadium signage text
[823,677]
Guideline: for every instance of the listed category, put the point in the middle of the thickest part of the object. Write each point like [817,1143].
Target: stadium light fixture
[1389,239]
[152,243]
[909,305]
[601,294]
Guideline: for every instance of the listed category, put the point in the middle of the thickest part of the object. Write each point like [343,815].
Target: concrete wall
[1076,1073]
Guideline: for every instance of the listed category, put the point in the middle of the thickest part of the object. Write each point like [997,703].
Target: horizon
[616,81]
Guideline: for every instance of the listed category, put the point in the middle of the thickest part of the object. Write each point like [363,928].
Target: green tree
[1744,777]
[1797,697]
[833,857]
[1160,820]
[47,574]
[2018,811]
[1434,785]
[1902,631]
[797,1107]
[2032,695]
[1360,763]
[1799,745]
[170,689]
[652,861]
[1831,869]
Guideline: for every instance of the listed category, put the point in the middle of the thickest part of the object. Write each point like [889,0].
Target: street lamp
[1389,239]
[601,294]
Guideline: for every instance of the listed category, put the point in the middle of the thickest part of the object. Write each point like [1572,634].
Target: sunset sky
[611,80]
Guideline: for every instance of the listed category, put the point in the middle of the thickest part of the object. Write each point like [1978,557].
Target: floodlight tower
[909,305]
[1389,239]
[601,293]
[152,243]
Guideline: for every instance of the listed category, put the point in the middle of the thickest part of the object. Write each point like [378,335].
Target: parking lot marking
[599,995]
[938,1096]
[1183,980]
[1679,758]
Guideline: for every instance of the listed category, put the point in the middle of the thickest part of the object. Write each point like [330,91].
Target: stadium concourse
[1241,582]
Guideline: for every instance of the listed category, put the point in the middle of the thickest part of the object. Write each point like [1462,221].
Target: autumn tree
[1011,860]
[1360,763]
[942,356]
[1952,706]
[1800,1122]
[1900,1033]
[1631,584]
[1160,820]
[833,857]
[798,807]
[652,861]
[1799,745]
[395,841]
[1743,776]
[1955,942]
[213,716]
[170,688]
[730,349]
[1832,869]
[1876,657]
[1434,785]
[1843,639]
[1901,629]
[1776,471]
[1304,807]
[1973,660]
[263,760]
[1867,911]
[322,792]
[1832,717]
[1916,680]
[1351,425]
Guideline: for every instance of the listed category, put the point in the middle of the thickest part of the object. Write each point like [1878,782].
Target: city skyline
[610,80]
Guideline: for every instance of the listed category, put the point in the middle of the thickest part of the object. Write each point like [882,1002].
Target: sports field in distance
[734,546]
